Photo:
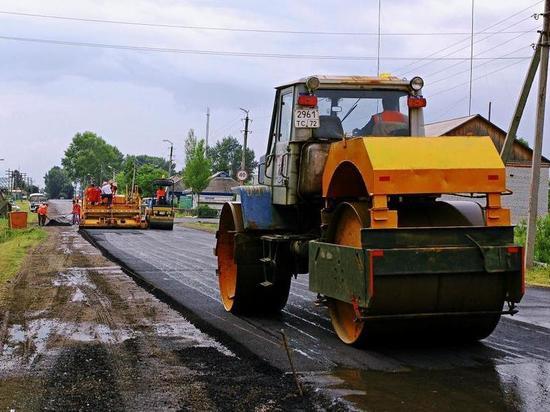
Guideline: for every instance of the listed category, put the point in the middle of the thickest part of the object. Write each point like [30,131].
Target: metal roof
[352,80]
[445,126]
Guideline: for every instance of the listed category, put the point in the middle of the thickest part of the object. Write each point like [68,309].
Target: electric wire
[446,69]
[235,53]
[467,46]
[431,83]
[443,91]
[484,31]
[231,29]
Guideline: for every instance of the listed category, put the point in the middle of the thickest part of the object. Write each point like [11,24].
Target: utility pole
[243,176]
[520,105]
[207,125]
[539,130]
[471,62]
[489,112]
[170,159]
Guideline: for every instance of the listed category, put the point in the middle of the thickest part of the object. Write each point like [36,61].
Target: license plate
[306,118]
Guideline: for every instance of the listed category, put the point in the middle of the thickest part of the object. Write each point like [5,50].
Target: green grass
[14,246]
[204,226]
[538,276]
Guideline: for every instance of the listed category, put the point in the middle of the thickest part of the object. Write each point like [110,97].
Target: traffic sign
[242,175]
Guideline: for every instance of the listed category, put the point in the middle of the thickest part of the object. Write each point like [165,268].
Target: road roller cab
[353,193]
[160,211]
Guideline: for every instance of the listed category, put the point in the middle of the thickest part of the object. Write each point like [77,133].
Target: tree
[226,157]
[197,170]
[33,189]
[145,176]
[124,177]
[90,157]
[58,183]
[190,144]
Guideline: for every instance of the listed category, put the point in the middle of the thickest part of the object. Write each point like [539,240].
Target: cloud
[135,99]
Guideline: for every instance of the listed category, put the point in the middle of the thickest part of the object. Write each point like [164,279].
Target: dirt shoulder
[76,333]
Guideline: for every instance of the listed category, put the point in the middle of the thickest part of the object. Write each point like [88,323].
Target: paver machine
[124,212]
[352,192]
[160,211]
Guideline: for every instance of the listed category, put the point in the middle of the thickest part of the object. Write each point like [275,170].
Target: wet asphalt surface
[510,370]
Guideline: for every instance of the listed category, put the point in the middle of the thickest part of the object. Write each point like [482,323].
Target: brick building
[518,167]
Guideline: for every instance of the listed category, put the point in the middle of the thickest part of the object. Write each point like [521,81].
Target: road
[508,371]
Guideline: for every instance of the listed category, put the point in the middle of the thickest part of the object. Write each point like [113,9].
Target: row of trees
[89,158]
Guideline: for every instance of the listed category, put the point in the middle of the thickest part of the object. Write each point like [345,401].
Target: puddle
[497,387]
[78,296]
[76,277]
[25,344]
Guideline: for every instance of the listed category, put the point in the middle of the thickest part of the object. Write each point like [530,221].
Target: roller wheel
[345,230]
[240,291]
[161,225]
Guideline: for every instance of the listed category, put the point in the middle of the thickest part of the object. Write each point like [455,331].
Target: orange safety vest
[89,194]
[43,210]
[161,193]
[389,116]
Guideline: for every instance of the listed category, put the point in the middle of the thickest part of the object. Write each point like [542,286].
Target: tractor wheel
[345,230]
[240,276]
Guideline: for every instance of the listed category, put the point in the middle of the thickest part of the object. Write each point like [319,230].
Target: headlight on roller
[417,83]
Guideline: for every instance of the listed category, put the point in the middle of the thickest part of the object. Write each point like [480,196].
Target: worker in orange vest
[42,213]
[93,194]
[390,122]
[161,195]
[76,212]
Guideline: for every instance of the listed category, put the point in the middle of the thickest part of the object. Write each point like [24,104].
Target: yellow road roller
[352,192]
[160,211]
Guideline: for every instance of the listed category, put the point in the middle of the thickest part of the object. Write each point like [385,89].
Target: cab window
[285,124]
[366,112]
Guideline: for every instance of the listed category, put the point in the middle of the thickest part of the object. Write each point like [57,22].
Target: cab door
[281,153]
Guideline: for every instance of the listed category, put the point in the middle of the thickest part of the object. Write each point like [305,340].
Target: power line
[443,91]
[236,53]
[484,31]
[231,29]
[446,69]
[431,83]
[468,46]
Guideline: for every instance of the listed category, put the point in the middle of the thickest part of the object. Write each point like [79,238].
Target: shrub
[205,211]
[542,240]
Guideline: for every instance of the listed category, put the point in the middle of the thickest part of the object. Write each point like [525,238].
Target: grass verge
[14,246]
[538,276]
[204,226]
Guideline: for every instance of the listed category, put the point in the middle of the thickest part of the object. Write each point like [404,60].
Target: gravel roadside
[76,333]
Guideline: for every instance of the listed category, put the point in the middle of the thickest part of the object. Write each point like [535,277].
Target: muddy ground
[76,333]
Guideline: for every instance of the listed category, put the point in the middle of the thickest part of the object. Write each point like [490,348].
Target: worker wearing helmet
[390,122]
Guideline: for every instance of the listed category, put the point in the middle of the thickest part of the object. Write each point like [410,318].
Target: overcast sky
[134,99]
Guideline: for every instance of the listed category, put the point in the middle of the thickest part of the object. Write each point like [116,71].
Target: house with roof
[518,166]
[218,191]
